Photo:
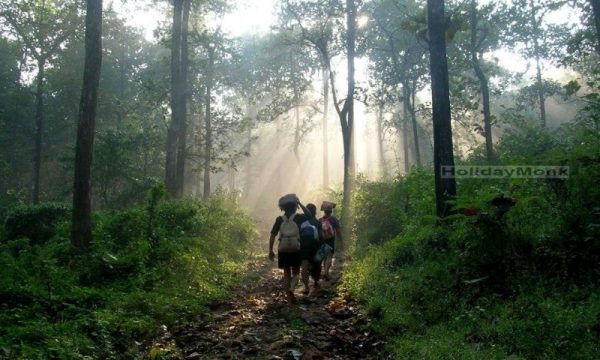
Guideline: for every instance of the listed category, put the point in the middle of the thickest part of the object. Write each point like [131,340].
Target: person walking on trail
[331,229]
[289,256]
[310,240]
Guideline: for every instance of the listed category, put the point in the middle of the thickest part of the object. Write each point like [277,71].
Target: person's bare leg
[305,274]
[328,262]
[295,277]
[287,275]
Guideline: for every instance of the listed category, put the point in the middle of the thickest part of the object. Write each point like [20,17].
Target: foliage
[36,223]
[130,289]
[492,281]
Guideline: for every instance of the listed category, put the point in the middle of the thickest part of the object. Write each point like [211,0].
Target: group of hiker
[306,244]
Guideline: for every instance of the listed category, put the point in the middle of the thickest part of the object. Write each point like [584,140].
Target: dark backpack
[309,235]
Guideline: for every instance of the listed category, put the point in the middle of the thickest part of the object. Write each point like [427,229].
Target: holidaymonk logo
[504,172]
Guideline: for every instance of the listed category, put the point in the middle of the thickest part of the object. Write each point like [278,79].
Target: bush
[37,222]
[144,273]
[492,281]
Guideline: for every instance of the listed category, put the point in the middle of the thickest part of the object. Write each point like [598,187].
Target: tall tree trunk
[39,122]
[541,95]
[81,235]
[405,144]
[540,83]
[409,114]
[484,85]
[173,131]
[297,127]
[415,127]
[248,183]
[596,13]
[347,122]
[183,91]
[325,135]
[380,140]
[445,187]
[122,73]
[208,124]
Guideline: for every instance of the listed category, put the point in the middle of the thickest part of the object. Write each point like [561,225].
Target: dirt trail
[258,323]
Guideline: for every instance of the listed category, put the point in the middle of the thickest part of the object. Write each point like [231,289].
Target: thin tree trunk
[325,135]
[183,91]
[541,95]
[122,73]
[409,114]
[297,127]
[380,147]
[540,83]
[445,187]
[208,125]
[483,81]
[596,12]
[39,122]
[405,145]
[415,127]
[348,120]
[173,131]
[81,235]
[248,184]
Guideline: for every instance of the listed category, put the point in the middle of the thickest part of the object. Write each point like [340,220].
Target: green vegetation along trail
[258,323]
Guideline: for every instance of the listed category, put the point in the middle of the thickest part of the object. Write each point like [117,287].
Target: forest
[146,147]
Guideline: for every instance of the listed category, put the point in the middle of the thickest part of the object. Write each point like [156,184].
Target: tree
[595,4]
[397,58]
[15,106]
[445,187]
[477,46]
[43,26]
[81,235]
[529,29]
[175,149]
[315,22]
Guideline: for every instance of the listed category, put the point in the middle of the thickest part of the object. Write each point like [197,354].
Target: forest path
[258,323]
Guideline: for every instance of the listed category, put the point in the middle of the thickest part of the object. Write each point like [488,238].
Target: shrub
[137,279]
[491,282]
[37,222]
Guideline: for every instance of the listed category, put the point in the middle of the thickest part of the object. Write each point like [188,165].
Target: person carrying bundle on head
[289,256]
[331,229]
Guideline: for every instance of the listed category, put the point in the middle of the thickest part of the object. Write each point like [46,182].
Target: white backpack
[289,235]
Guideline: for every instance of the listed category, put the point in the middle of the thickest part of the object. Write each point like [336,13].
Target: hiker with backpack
[310,241]
[289,256]
[331,229]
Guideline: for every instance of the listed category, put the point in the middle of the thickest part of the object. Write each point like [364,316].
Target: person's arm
[338,230]
[274,232]
[271,242]
[306,212]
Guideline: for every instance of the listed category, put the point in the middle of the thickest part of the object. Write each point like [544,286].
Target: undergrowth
[149,269]
[512,274]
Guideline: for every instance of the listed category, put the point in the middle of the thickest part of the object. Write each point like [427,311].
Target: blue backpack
[309,235]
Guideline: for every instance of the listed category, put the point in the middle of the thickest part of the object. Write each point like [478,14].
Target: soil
[259,323]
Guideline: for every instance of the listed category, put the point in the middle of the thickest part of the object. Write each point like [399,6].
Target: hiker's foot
[290,297]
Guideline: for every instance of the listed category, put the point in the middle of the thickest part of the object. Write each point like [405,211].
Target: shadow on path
[258,323]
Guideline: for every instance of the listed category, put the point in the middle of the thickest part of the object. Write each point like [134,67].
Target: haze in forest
[283,151]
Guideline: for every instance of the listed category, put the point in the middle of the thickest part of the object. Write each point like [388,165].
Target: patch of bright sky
[250,16]
[145,15]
